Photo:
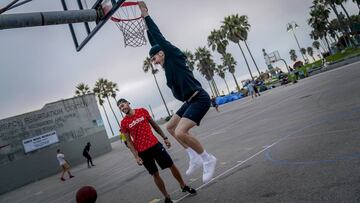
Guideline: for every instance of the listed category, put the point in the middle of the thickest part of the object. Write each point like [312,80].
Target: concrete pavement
[295,143]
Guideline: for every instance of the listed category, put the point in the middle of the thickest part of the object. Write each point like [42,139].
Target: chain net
[133,32]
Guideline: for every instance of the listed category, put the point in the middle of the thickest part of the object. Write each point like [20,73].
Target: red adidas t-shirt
[139,128]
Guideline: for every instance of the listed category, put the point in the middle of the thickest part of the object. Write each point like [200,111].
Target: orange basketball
[86,194]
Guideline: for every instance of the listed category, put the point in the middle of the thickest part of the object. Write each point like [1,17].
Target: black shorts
[155,153]
[196,108]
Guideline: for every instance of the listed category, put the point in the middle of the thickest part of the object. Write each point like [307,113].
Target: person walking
[65,166]
[86,154]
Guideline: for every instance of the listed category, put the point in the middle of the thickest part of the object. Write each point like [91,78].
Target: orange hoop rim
[126,4]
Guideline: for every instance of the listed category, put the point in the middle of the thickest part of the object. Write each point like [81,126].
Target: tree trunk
[307,58]
[328,45]
[211,88]
[313,58]
[247,64]
[227,86]
[319,52]
[342,24]
[162,97]
[324,45]
[117,120]
[345,11]
[237,85]
[107,119]
[257,68]
[215,87]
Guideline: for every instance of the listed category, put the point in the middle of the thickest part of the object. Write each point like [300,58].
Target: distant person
[86,154]
[185,88]
[214,104]
[256,91]
[65,167]
[146,148]
[251,90]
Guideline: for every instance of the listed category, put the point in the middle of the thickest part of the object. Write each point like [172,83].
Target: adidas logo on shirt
[135,122]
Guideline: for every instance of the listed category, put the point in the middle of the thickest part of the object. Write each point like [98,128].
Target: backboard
[272,57]
[83,32]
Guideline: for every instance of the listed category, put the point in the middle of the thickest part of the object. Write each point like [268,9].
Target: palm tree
[206,67]
[303,51]
[190,61]
[220,70]
[82,89]
[318,20]
[107,90]
[332,5]
[293,55]
[334,27]
[217,41]
[229,63]
[148,66]
[233,26]
[341,3]
[99,96]
[310,52]
[316,45]
[112,87]
[244,35]
[104,88]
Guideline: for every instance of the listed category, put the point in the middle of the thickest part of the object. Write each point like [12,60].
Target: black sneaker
[189,190]
[168,200]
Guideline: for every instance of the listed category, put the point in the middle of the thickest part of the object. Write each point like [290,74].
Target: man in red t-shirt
[146,148]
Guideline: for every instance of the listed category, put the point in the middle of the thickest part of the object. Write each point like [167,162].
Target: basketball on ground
[86,194]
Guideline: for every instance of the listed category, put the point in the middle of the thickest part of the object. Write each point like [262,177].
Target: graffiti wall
[74,121]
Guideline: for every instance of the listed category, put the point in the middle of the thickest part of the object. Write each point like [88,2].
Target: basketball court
[295,143]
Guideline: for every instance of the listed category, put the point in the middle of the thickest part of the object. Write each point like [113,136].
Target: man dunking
[185,88]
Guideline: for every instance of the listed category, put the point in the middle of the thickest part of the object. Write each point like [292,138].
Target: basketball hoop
[129,21]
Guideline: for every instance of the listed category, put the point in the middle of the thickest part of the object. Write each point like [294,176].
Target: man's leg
[62,174]
[171,126]
[182,133]
[195,160]
[209,161]
[91,161]
[70,175]
[177,175]
[160,184]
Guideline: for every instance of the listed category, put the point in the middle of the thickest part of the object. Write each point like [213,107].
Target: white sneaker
[209,169]
[194,164]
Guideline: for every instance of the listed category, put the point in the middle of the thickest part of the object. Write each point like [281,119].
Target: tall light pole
[291,28]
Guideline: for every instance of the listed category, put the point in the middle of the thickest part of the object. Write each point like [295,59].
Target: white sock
[192,154]
[205,156]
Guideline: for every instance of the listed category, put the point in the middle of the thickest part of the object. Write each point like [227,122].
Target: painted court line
[246,160]
[227,171]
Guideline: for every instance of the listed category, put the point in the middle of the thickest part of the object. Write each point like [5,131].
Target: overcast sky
[40,65]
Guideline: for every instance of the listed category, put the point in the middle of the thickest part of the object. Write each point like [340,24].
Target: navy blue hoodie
[179,77]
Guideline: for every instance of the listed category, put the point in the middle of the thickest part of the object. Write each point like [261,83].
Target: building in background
[28,142]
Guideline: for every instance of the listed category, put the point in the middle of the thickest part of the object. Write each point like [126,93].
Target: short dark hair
[122,100]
